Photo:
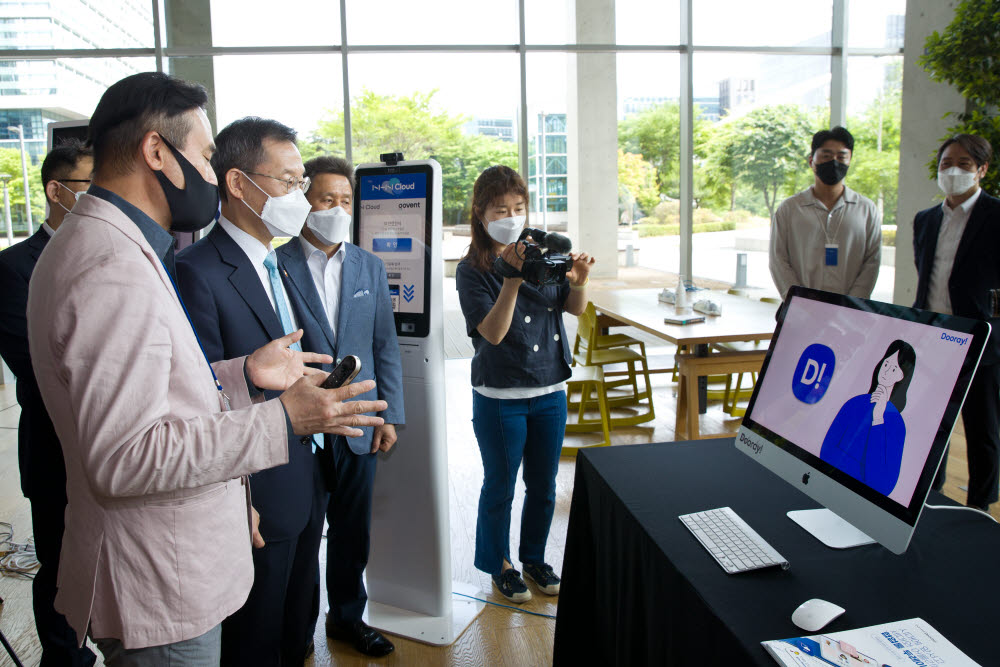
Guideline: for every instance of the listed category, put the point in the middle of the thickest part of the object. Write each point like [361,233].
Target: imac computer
[854,406]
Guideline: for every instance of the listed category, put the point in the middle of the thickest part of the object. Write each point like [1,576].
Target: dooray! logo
[813,373]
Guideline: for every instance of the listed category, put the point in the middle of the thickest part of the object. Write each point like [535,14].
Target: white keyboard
[736,546]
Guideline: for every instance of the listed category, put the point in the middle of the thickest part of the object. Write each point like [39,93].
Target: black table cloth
[639,589]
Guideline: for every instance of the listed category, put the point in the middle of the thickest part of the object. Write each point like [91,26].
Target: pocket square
[361,292]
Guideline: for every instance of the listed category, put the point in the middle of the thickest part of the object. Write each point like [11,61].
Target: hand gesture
[880,397]
[513,255]
[581,268]
[312,409]
[384,438]
[276,366]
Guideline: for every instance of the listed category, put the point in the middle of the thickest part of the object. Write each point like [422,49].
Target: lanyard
[218,385]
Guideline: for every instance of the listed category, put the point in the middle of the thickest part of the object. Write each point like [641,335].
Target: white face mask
[506,230]
[284,215]
[956,181]
[76,196]
[329,226]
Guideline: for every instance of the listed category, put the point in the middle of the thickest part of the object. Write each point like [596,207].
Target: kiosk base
[434,630]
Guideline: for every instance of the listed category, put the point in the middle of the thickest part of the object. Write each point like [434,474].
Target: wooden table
[742,320]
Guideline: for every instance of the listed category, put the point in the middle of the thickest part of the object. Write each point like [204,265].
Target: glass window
[76,24]
[876,24]
[313,81]
[555,205]
[555,165]
[775,23]
[874,109]
[440,106]
[556,143]
[440,22]
[266,23]
[547,84]
[648,137]
[547,22]
[555,186]
[647,21]
[34,93]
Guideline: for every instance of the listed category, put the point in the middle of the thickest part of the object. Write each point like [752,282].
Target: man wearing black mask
[827,237]
[157,441]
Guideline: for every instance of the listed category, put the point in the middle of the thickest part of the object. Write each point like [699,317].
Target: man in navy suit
[65,173]
[342,291]
[956,246]
[231,284]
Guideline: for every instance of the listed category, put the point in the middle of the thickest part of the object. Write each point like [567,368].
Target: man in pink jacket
[157,442]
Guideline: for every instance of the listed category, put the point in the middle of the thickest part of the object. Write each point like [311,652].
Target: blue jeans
[508,432]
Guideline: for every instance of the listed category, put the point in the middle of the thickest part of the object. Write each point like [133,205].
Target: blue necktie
[271,264]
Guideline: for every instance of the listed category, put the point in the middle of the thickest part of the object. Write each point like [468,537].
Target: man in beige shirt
[827,237]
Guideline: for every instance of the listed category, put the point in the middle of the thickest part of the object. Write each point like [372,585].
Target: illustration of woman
[866,438]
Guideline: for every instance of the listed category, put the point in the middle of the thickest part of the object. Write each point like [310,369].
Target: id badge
[831,254]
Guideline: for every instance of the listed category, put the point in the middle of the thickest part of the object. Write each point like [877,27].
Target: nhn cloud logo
[813,373]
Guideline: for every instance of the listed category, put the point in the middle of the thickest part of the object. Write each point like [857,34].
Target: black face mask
[195,206]
[831,172]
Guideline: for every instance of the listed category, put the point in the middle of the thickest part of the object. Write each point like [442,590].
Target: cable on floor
[505,606]
[16,560]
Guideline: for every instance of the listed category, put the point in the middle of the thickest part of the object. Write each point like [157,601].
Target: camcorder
[545,261]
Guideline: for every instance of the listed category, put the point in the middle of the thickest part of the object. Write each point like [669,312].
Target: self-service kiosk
[397,216]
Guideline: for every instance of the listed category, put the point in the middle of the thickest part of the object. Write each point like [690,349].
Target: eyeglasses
[73,180]
[290,183]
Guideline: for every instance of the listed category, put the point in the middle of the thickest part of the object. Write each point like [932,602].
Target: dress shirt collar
[962,209]
[309,250]
[48,230]
[158,238]
[256,251]
[849,196]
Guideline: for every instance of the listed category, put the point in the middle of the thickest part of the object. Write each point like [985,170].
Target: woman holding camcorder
[519,377]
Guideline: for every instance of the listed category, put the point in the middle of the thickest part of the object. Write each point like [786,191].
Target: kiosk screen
[393,220]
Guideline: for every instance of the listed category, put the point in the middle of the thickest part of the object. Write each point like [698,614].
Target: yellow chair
[589,381]
[771,299]
[590,355]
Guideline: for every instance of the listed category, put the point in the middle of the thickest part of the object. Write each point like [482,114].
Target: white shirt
[257,252]
[327,274]
[48,230]
[802,228]
[953,222]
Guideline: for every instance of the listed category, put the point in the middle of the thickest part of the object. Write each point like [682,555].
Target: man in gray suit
[342,291]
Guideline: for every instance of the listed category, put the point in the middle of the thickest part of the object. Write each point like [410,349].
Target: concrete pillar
[923,125]
[189,23]
[592,127]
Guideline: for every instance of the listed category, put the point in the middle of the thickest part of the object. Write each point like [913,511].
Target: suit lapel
[348,285]
[36,242]
[293,263]
[246,281]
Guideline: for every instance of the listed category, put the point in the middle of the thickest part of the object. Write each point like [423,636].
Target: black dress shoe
[365,638]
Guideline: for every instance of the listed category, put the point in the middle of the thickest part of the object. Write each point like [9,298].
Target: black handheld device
[346,370]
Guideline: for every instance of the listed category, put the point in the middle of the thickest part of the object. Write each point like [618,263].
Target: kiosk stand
[397,216]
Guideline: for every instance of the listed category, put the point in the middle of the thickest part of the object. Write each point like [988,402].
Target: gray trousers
[203,651]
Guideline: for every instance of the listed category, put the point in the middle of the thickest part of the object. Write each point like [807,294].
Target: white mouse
[813,615]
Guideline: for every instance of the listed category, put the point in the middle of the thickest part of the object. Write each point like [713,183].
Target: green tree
[769,149]
[875,164]
[10,163]
[636,182]
[715,177]
[965,56]
[410,124]
[655,135]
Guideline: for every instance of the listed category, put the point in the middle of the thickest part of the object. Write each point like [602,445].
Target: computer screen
[855,403]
